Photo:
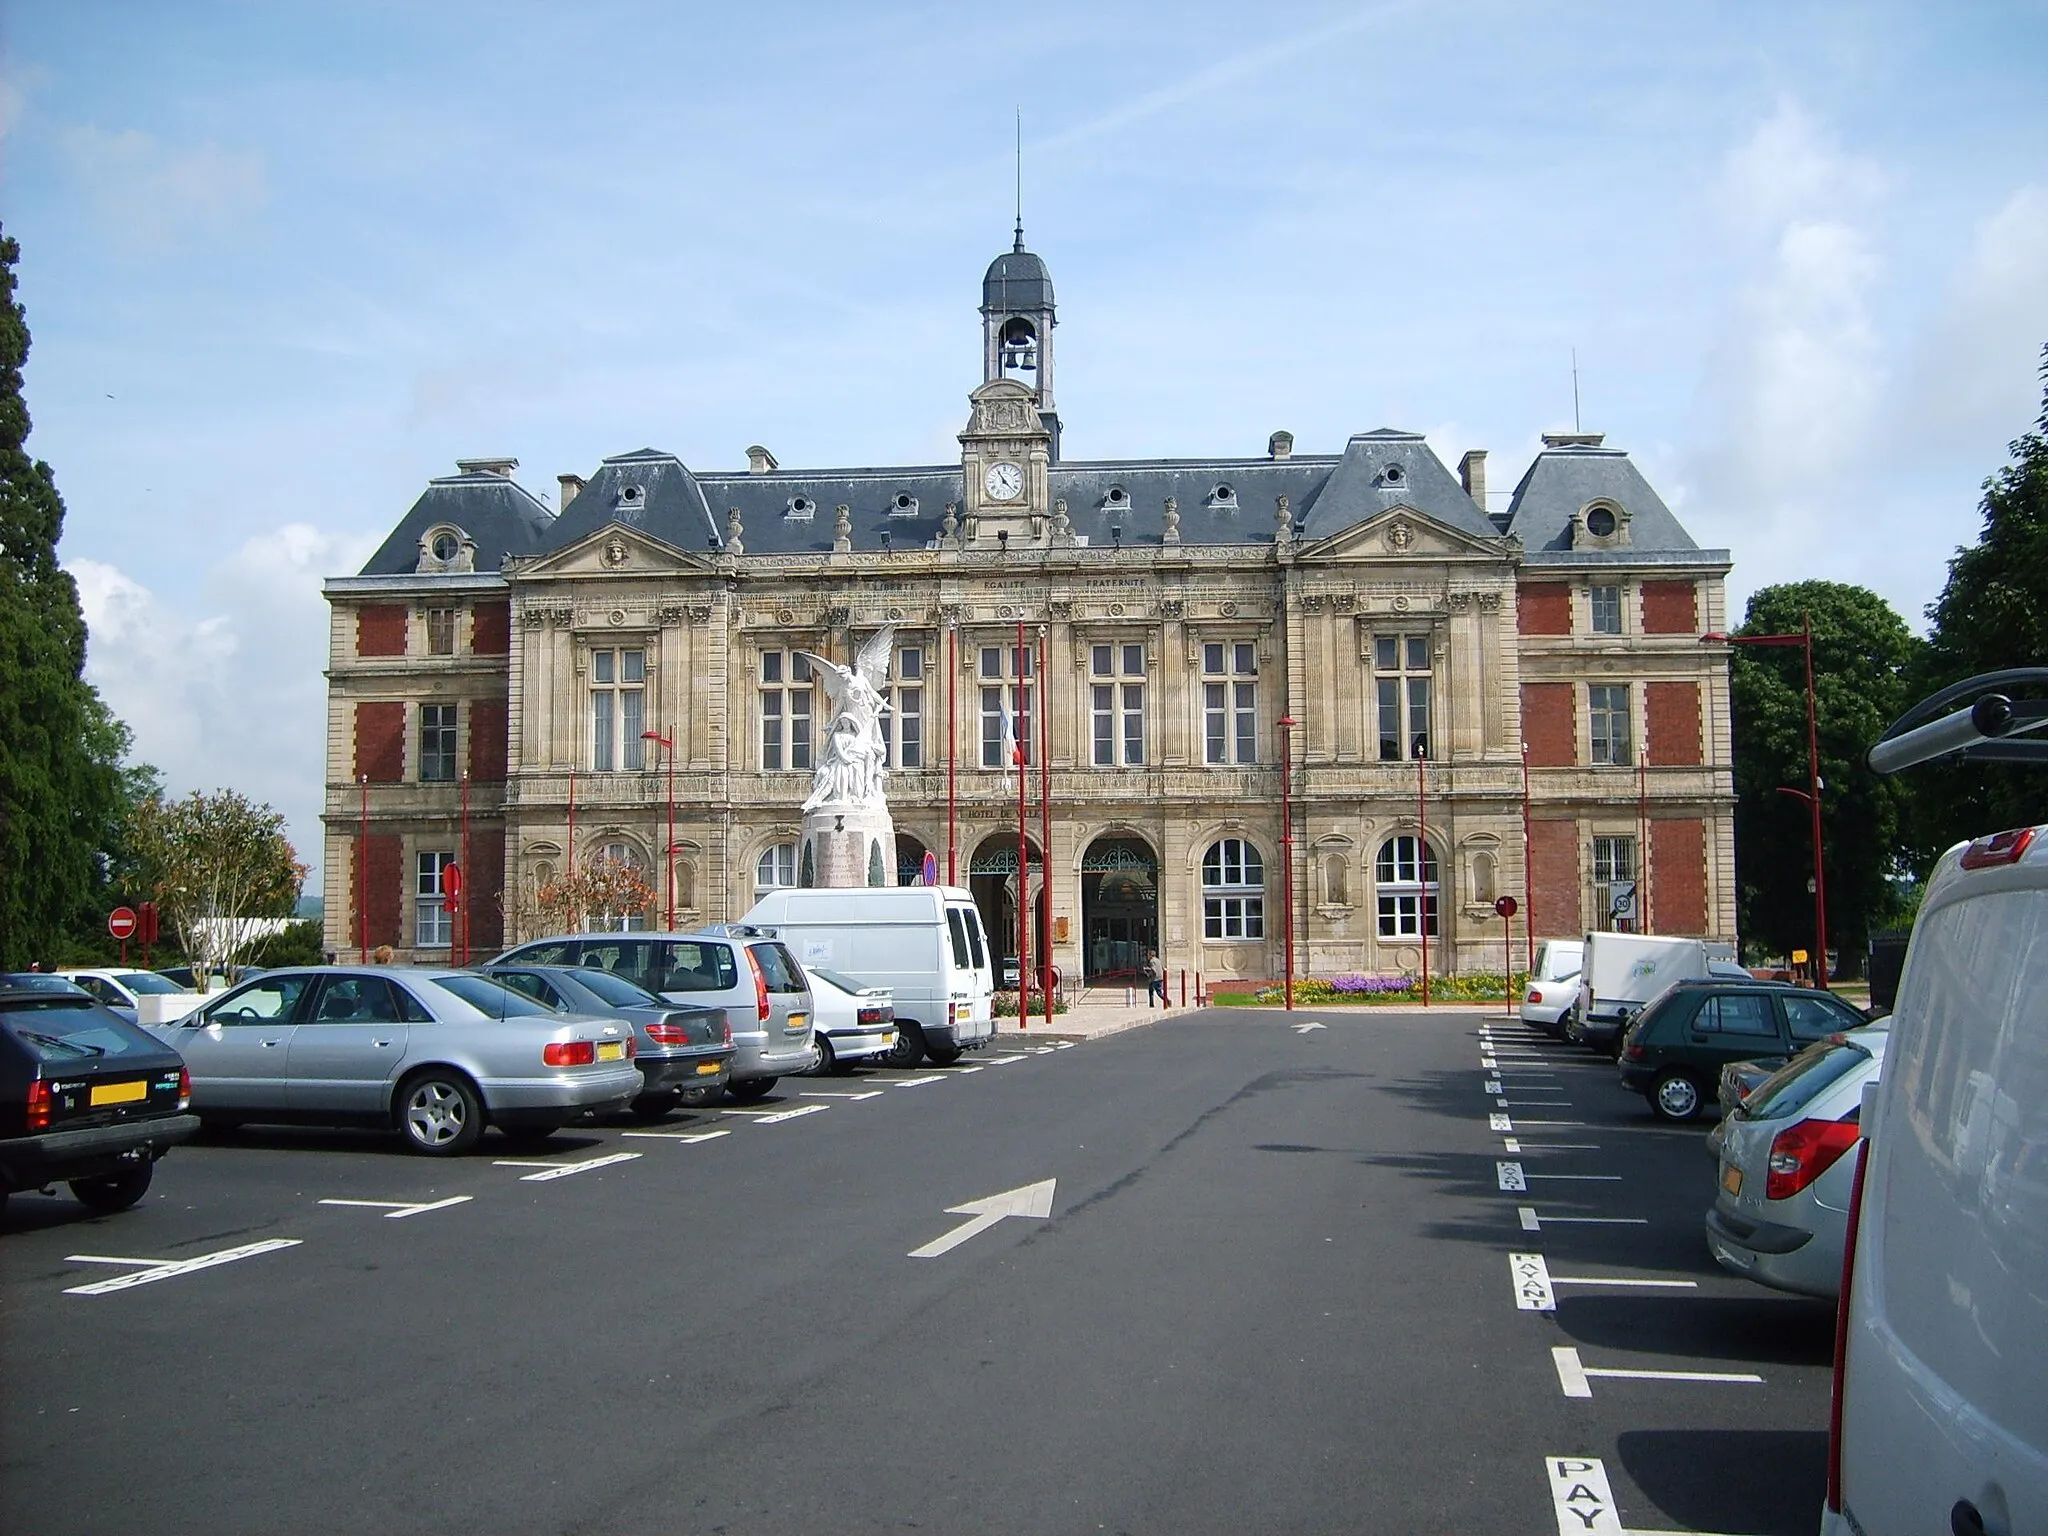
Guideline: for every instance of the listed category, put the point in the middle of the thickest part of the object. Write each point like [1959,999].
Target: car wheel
[650,1107]
[440,1114]
[827,1063]
[1674,1096]
[943,1055]
[754,1088]
[908,1050]
[528,1138]
[114,1191]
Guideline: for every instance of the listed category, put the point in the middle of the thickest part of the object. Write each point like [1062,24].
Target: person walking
[1155,979]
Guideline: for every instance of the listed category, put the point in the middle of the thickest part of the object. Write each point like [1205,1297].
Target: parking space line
[780,1115]
[1499,1123]
[1574,1377]
[1510,1144]
[684,1136]
[563,1170]
[913,1082]
[1531,1222]
[1531,1280]
[960,1071]
[1560,1146]
[1511,1177]
[398,1210]
[1578,1178]
[1554,1122]
[872,1093]
[168,1269]
[1626,1282]
[999,1061]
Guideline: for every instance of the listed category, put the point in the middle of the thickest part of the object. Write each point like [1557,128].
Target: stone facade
[1173,615]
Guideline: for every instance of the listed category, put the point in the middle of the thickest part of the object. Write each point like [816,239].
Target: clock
[1004,481]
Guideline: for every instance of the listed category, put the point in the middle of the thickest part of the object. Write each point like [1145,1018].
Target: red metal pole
[574,914]
[1528,864]
[1643,825]
[952,748]
[1422,869]
[363,873]
[1287,859]
[1045,829]
[462,910]
[1820,884]
[1018,742]
[1507,954]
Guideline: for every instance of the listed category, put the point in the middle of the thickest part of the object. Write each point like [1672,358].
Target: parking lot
[1237,1271]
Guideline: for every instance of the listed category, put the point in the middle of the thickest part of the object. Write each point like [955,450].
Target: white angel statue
[849,770]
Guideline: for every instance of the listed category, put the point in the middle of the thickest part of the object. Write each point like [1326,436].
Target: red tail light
[632,1048]
[1535,994]
[1805,1152]
[877,1015]
[1635,1052]
[39,1105]
[668,1034]
[184,1087]
[2005,848]
[760,986]
[568,1053]
[727,1024]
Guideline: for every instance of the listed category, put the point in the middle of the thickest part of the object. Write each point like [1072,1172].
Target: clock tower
[1005,459]
[1017,318]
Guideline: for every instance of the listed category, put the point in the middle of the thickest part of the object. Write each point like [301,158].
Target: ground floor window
[1233,891]
[1406,888]
[433,924]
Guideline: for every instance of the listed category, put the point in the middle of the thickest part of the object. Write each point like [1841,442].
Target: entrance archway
[992,877]
[1119,908]
[909,860]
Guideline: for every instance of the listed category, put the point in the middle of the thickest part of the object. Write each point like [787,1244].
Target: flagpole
[1023,856]
[1045,829]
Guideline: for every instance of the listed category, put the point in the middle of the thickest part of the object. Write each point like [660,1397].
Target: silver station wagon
[435,1054]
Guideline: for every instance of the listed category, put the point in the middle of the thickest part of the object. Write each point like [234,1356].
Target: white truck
[1623,971]
[924,942]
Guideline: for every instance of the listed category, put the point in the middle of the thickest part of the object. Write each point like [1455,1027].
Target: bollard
[1183,987]
[1130,996]
[1200,1001]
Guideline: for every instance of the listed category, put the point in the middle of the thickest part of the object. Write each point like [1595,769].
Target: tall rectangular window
[1006,681]
[1117,697]
[903,725]
[1615,902]
[1230,702]
[1401,683]
[433,924]
[1606,610]
[786,696]
[440,631]
[1608,710]
[618,703]
[437,742]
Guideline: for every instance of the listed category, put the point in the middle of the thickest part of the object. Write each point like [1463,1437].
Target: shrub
[1005,1005]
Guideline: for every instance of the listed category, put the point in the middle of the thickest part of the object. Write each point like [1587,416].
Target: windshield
[488,997]
[1803,1079]
[839,979]
[148,983]
[42,981]
[60,1029]
[1558,961]
[616,990]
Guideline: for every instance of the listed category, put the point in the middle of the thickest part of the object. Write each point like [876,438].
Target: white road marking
[1574,1376]
[1579,1492]
[1302,1029]
[1510,1144]
[914,1082]
[1032,1200]
[1511,1177]
[168,1269]
[960,1071]
[1488,1062]
[563,1170]
[1493,1085]
[781,1115]
[1562,1146]
[1554,1122]
[1532,1223]
[1528,1215]
[872,1093]
[999,1061]
[1499,1123]
[1648,1285]
[1579,1178]
[1531,1279]
[1064,1045]
[684,1136]
[398,1210]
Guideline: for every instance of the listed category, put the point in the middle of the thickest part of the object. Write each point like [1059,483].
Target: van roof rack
[2001,722]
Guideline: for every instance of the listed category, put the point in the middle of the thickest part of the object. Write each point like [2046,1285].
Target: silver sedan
[434,1054]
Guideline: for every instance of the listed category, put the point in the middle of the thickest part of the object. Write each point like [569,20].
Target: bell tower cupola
[1016,328]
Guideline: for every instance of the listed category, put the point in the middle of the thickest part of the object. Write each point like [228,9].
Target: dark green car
[1674,1051]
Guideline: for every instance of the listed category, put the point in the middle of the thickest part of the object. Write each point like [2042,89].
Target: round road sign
[121,922]
[1505,907]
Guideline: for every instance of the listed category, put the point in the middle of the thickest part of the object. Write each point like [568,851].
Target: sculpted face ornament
[1400,538]
[1004,481]
[615,553]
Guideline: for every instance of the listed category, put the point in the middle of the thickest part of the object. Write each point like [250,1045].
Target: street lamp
[668,857]
[1811,794]
[1287,859]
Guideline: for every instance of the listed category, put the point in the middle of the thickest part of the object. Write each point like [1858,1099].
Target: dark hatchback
[86,1098]
[1675,1049]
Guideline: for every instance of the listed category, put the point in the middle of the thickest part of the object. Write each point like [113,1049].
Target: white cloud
[228,678]
[151,192]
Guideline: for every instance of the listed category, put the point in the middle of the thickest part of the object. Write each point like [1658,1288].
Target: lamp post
[668,856]
[1287,859]
[1422,860]
[1811,794]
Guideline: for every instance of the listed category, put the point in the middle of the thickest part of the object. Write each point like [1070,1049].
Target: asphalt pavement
[1280,1281]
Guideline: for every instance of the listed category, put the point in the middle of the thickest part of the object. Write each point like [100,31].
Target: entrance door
[1119,908]
[992,877]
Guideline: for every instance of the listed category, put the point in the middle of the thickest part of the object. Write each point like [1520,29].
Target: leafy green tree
[1992,614]
[60,749]
[1862,651]
[212,862]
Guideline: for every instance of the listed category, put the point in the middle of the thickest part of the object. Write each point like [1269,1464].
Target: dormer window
[800,509]
[1223,498]
[1393,477]
[903,504]
[1117,499]
[445,547]
[632,498]
[1600,525]
[1600,522]
[447,544]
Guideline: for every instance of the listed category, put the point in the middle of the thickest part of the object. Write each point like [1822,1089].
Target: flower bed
[1469,987]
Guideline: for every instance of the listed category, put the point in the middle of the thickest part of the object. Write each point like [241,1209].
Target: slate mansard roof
[1564,479]
[487,506]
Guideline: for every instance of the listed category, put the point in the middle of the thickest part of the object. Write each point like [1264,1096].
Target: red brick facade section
[1670,608]
[380,742]
[1678,876]
[487,734]
[484,890]
[1550,724]
[1554,886]
[1674,724]
[1543,608]
[382,916]
[490,631]
[380,629]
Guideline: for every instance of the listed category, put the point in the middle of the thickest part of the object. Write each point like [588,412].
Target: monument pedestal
[847,846]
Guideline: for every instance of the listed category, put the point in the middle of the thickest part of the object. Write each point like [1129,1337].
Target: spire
[1020,181]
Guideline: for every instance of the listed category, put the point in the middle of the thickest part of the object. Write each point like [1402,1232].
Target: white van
[1553,984]
[925,942]
[1941,1364]
[1622,972]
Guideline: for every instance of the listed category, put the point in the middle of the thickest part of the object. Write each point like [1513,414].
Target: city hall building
[1472,704]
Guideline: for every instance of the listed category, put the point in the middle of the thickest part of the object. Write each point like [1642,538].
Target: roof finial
[1020,181]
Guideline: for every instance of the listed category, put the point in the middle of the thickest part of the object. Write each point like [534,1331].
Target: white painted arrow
[1034,1200]
[1302,1029]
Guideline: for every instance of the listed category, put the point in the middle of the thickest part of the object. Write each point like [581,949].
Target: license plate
[889,1040]
[797,1021]
[118,1093]
[611,1050]
[707,1069]
[1731,1179]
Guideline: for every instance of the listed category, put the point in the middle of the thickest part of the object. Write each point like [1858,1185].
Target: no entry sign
[121,923]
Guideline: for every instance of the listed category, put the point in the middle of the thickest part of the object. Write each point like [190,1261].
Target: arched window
[617,892]
[1407,894]
[1233,891]
[777,867]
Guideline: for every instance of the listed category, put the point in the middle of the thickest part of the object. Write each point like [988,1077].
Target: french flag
[1012,753]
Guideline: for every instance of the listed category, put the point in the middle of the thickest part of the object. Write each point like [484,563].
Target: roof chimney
[503,467]
[760,461]
[1472,475]
[570,484]
[1280,446]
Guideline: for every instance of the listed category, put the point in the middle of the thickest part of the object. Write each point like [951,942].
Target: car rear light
[1634,1052]
[760,986]
[39,1105]
[1535,994]
[2004,848]
[632,1048]
[1805,1152]
[668,1034]
[568,1053]
[726,1026]
[184,1087]
[1834,1495]
[877,1015]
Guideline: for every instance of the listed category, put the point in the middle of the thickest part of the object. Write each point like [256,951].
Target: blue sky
[283,262]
